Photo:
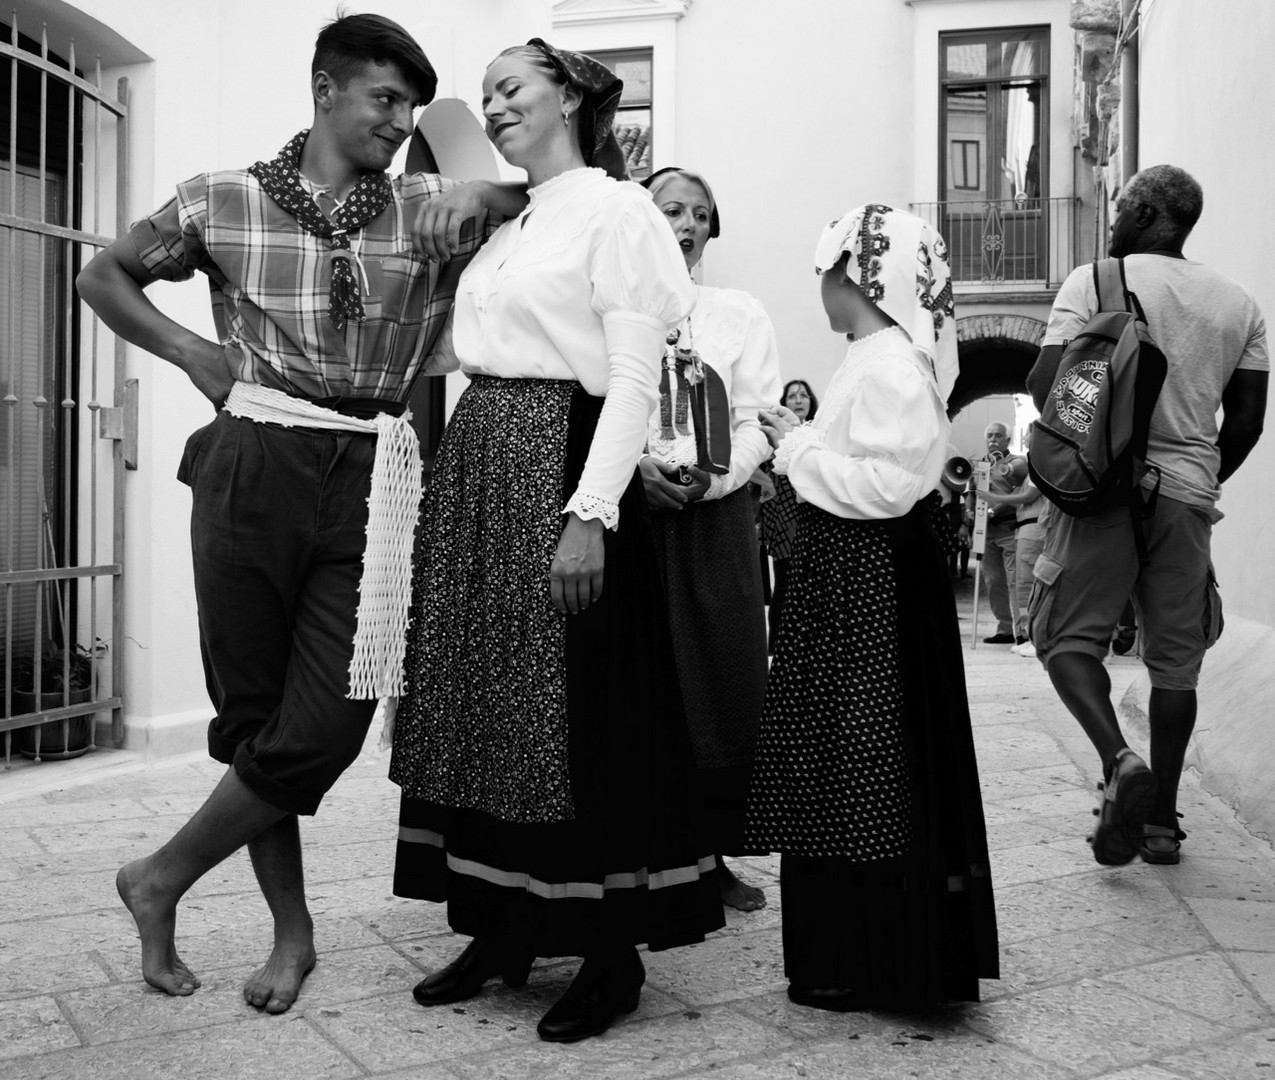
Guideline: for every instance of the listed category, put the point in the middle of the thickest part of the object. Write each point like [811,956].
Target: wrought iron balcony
[1018,243]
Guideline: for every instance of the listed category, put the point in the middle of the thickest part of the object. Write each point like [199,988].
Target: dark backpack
[1089,447]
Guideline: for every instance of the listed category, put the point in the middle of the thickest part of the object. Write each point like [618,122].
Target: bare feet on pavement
[737,893]
[275,985]
[156,918]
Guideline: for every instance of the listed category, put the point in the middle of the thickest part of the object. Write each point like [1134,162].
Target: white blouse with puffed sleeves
[878,443]
[584,284]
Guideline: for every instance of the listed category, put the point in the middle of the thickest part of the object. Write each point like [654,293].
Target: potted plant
[66,678]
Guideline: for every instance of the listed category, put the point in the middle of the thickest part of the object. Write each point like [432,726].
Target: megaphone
[957,472]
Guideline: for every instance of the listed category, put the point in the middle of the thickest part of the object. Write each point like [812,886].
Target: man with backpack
[1151,541]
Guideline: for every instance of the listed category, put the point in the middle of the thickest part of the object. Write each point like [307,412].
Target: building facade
[1000,120]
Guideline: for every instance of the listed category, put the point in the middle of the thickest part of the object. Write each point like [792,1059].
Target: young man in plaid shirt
[324,315]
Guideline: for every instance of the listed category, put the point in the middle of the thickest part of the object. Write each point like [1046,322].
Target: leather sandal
[1127,797]
[1162,844]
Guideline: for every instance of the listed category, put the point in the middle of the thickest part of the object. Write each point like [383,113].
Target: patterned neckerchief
[281,179]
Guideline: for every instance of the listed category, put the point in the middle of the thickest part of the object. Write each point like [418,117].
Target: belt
[385,589]
[1025,521]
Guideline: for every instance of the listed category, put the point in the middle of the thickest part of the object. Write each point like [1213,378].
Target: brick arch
[996,353]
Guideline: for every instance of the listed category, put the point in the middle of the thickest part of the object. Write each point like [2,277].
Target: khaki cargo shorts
[1089,568]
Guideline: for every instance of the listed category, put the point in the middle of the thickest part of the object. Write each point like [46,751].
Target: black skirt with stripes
[548,790]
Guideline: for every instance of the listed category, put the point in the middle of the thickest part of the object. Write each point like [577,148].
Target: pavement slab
[682,1043]
[1108,973]
[284,1047]
[1237,924]
[1250,1056]
[1090,1026]
[962,1056]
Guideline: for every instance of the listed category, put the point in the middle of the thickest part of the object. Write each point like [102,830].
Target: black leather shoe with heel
[604,988]
[464,977]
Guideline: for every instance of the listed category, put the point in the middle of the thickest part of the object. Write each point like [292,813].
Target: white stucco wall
[797,114]
[1212,125]
[217,85]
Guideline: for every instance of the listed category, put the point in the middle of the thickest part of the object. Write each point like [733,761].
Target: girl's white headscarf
[900,263]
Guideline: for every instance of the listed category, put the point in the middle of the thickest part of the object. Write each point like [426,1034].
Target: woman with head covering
[548,789]
[865,777]
[703,443]
[778,510]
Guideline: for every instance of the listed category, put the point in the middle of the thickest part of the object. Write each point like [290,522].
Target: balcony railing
[1019,243]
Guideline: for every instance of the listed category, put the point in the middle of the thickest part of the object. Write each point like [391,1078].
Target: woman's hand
[699,485]
[777,422]
[575,575]
[664,491]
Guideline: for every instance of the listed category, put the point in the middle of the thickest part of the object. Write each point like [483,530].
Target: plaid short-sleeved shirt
[269,281]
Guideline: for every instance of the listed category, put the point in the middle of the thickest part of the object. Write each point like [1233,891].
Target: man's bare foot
[737,893]
[275,985]
[156,919]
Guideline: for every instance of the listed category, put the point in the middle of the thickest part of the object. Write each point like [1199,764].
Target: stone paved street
[1136,973]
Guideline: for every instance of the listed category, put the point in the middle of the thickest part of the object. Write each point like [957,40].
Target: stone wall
[1097,88]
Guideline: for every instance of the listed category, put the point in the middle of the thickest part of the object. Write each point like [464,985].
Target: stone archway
[996,353]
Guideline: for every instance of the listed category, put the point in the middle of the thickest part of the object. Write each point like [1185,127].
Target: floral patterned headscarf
[900,263]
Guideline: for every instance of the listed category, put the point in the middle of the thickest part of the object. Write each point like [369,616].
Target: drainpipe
[1129,90]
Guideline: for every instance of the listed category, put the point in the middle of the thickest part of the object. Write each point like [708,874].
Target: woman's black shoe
[601,991]
[464,977]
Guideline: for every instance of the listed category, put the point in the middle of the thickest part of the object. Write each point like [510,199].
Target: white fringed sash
[385,589]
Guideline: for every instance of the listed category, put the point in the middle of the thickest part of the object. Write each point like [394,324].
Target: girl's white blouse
[584,284]
[733,334]
[878,442]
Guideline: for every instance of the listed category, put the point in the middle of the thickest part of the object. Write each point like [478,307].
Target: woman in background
[866,779]
[779,507]
[721,366]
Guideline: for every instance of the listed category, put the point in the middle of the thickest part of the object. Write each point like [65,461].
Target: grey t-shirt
[1207,326]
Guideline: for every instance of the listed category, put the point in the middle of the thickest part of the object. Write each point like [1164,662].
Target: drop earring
[566,117]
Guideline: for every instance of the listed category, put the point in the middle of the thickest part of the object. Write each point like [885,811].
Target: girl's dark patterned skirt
[548,789]
[866,778]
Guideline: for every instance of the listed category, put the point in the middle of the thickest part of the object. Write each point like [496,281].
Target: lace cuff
[717,486]
[805,435]
[586,506]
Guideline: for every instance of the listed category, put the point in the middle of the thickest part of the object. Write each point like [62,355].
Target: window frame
[992,84]
[646,104]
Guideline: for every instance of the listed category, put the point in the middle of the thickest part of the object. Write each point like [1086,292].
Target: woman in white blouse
[704,441]
[865,778]
[546,768]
